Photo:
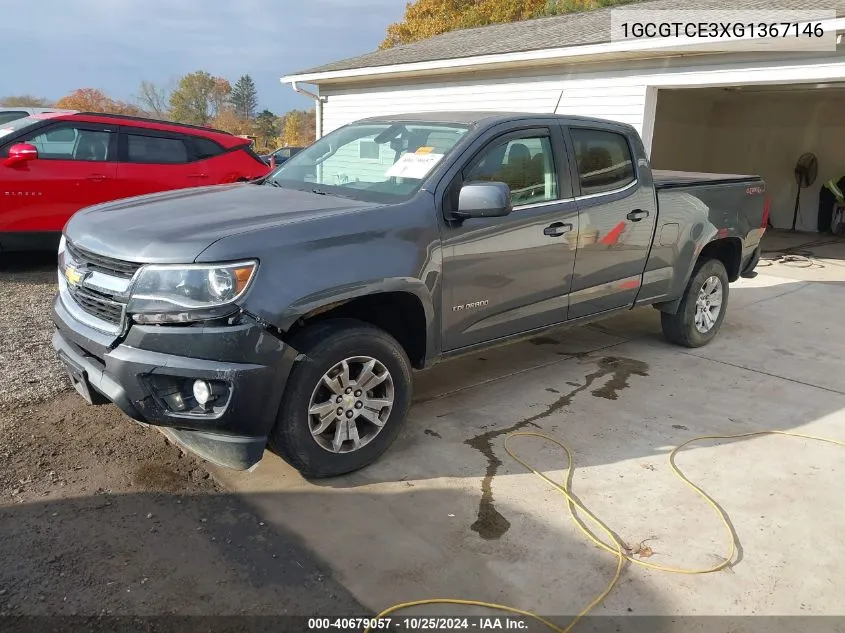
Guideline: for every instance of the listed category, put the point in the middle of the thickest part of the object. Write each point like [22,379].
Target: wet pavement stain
[490,524]
[433,433]
[622,369]
[545,340]
[552,390]
[680,427]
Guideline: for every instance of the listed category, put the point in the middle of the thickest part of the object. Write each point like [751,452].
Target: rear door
[153,161]
[76,167]
[617,214]
[511,274]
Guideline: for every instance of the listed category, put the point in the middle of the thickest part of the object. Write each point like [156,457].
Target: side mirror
[21,153]
[484,200]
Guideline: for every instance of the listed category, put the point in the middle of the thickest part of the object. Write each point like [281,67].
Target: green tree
[245,97]
[24,101]
[199,98]
[267,128]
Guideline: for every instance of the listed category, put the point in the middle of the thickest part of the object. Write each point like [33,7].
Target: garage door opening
[760,130]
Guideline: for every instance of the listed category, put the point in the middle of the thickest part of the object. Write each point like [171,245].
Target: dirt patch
[100,516]
[30,371]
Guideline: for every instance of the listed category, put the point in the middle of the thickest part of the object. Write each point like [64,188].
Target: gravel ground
[101,517]
[30,372]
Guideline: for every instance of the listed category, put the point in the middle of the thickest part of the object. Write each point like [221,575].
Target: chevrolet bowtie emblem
[73,275]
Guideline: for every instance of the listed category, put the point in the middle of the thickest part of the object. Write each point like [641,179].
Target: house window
[369,150]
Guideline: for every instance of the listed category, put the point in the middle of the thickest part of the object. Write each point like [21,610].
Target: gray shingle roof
[574,29]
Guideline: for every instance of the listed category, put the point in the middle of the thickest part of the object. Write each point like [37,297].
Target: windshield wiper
[319,192]
[275,183]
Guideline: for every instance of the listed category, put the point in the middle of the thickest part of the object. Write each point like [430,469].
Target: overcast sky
[55,46]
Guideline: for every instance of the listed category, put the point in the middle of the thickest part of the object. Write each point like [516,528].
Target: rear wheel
[345,403]
[702,308]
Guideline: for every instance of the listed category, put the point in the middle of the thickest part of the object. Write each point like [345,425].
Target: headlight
[184,293]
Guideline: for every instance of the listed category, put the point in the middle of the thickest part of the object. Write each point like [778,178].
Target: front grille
[98,305]
[101,263]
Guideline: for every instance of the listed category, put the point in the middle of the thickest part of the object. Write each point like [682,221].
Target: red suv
[52,165]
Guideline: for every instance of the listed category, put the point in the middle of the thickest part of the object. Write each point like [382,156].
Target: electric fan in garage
[806,170]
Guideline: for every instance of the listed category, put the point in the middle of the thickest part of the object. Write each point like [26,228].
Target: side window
[68,142]
[205,148]
[156,149]
[526,165]
[6,117]
[604,160]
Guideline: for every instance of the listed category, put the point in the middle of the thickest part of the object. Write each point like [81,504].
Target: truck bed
[664,179]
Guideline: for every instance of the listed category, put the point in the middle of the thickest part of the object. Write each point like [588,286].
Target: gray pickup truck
[293,310]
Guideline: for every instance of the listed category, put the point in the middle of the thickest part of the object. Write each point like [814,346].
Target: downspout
[318,100]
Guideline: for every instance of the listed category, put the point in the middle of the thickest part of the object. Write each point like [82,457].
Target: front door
[511,274]
[75,168]
[617,212]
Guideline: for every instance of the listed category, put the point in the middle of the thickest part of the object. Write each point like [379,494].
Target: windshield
[18,124]
[370,162]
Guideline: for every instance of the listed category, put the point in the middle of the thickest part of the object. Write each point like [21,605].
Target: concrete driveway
[447,513]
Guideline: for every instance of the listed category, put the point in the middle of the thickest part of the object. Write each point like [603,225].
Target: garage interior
[760,130]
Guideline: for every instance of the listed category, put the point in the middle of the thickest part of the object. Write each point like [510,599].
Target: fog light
[202,392]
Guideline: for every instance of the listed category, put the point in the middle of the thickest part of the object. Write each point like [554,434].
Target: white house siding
[616,90]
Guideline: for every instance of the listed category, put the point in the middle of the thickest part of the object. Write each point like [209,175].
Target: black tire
[325,345]
[680,328]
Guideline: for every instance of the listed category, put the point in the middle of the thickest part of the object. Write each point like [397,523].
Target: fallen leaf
[645,552]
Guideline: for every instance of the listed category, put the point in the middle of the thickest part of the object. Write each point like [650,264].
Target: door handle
[637,214]
[98,177]
[197,175]
[557,229]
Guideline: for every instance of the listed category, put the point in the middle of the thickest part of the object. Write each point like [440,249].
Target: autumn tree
[199,98]
[299,128]
[230,121]
[245,97]
[93,100]
[24,101]
[560,7]
[427,18]
[154,99]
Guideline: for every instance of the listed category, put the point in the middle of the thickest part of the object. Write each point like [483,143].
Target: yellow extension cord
[618,546]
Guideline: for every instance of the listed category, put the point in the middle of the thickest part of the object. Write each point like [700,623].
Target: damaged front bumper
[150,372]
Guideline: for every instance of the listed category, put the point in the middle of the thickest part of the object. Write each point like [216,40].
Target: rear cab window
[604,159]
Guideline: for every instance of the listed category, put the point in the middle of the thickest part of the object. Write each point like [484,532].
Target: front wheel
[702,308]
[345,403]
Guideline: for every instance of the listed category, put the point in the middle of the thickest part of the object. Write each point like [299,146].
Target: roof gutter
[318,101]
[567,53]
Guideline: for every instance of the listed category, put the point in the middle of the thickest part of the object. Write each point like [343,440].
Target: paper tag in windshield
[414,165]
[5,131]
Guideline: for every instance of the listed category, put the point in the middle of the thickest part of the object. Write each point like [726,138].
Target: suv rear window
[205,148]
[156,149]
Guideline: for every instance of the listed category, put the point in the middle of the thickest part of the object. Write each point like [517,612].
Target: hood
[176,226]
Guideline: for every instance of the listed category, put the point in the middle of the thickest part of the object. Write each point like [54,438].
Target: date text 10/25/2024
[421,623]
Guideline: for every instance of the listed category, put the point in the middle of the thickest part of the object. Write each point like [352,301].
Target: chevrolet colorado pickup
[292,310]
